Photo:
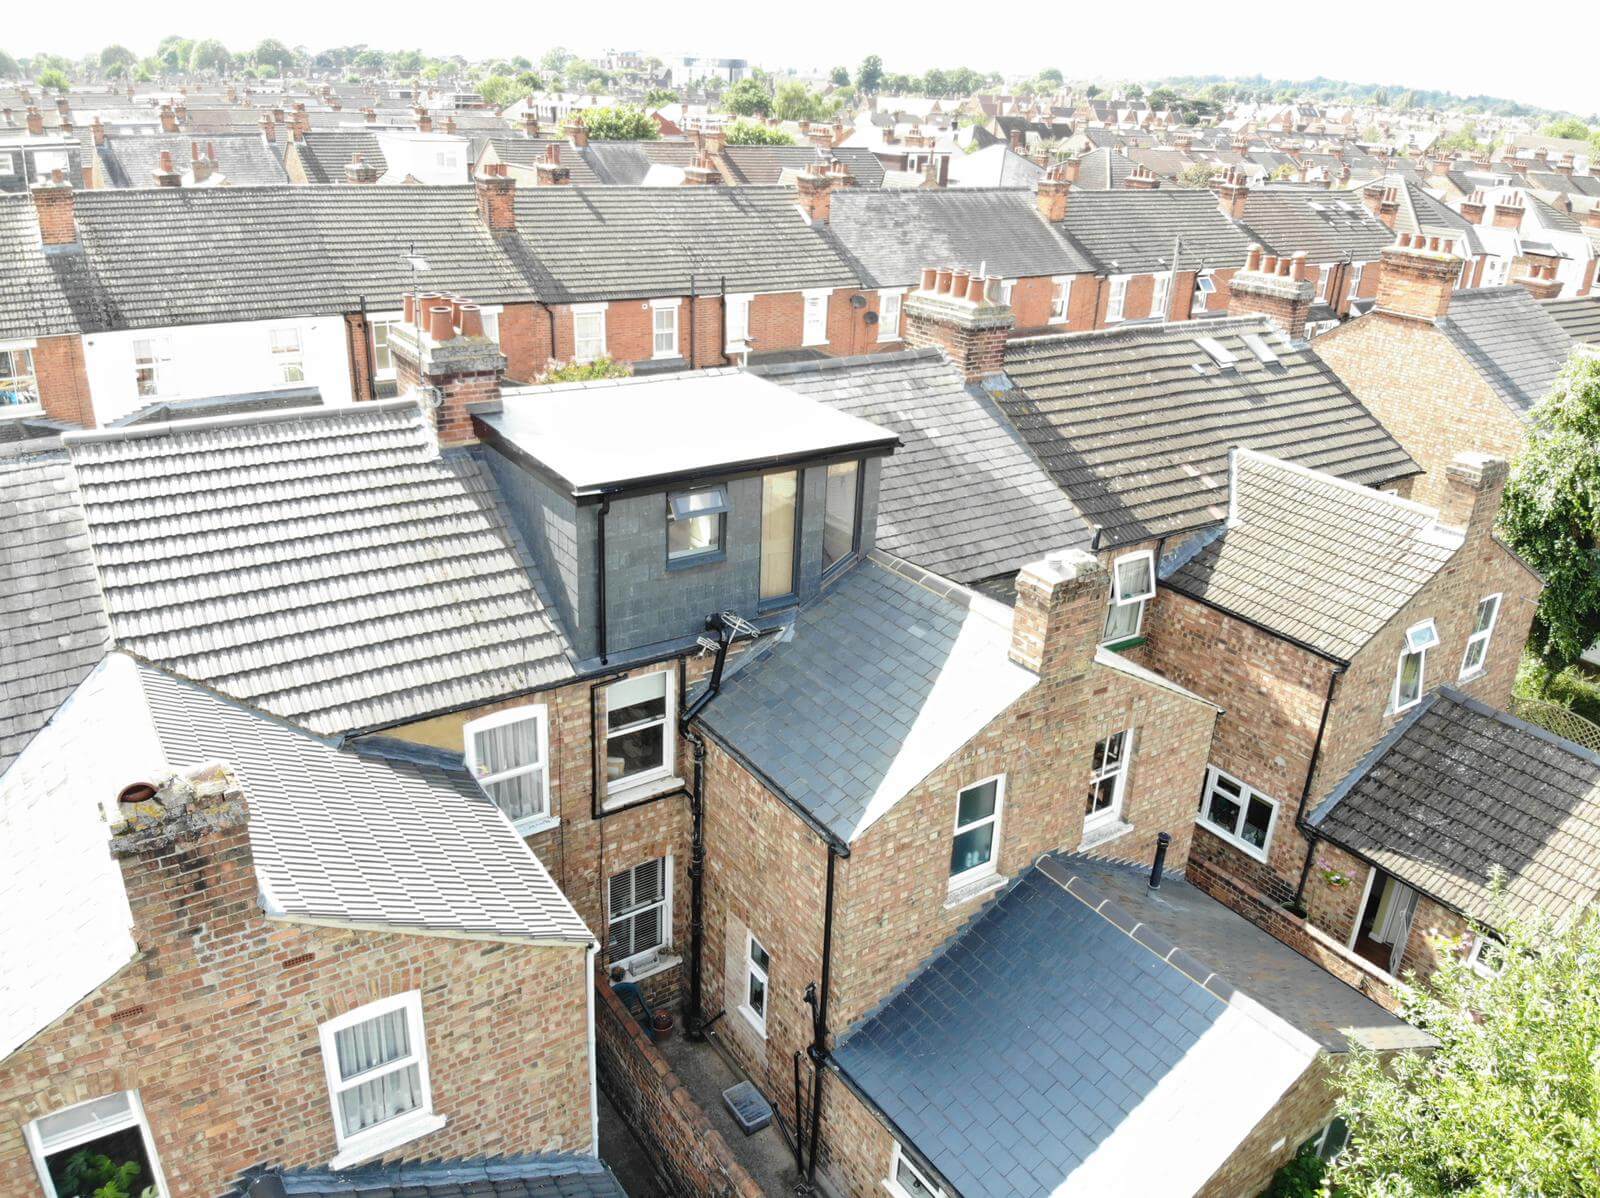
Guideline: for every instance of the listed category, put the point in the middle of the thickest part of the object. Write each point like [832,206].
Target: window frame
[1119,600]
[134,1118]
[1161,297]
[596,312]
[160,357]
[756,1019]
[1113,813]
[285,357]
[1246,793]
[1484,638]
[1205,286]
[653,955]
[1475,961]
[682,558]
[829,569]
[891,300]
[744,304]
[401,1129]
[991,867]
[657,307]
[14,349]
[1117,298]
[618,791]
[898,1157]
[818,335]
[1406,650]
[540,714]
[381,372]
[768,601]
[1060,299]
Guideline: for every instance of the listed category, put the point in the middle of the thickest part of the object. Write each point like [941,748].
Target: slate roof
[765,166]
[1422,212]
[1512,340]
[1321,561]
[962,496]
[244,159]
[1103,169]
[993,166]
[893,234]
[1129,232]
[1135,424]
[628,163]
[1458,787]
[327,565]
[1327,227]
[1579,317]
[52,626]
[325,152]
[886,674]
[36,302]
[554,1175]
[530,151]
[1069,1026]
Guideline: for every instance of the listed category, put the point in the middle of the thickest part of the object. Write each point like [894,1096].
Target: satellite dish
[872,318]
[858,301]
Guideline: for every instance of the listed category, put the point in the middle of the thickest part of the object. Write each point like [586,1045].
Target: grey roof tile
[1580,317]
[1513,341]
[243,159]
[553,1175]
[1329,227]
[1129,232]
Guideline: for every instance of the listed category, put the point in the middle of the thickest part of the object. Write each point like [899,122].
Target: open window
[509,754]
[1475,658]
[905,1180]
[841,506]
[1133,584]
[1384,925]
[80,1149]
[1411,674]
[19,383]
[696,521]
[640,738]
[376,1061]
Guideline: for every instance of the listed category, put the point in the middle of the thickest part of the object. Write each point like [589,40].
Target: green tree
[660,97]
[1509,1103]
[602,367]
[1162,97]
[622,123]
[53,79]
[1050,77]
[1091,91]
[745,132]
[795,101]
[370,62]
[747,98]
[839,76]
[272,53]
[1133,92]
[869,75]
[500,90]
[116,56]
[1198,174]
[1551,513]
[405,62]
[555,60]
[209,55]
[1569,127]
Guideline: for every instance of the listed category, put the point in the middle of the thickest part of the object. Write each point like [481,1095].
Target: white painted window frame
[1480,638]
[1475,961]
[1118,599]
[1395,707]
[737,338]
[1060,299]
[756,1019]
[1117,298]
[539,715]
[381,373]
[1113,813]
[392,1133]
[1161,297]
[158,362]
[135,1117]
[23,347]
[991,867]
[897,1158]
[582,312]
[623,788]
[650,956]
[890,301]
[814,333]
[1205,286]
[1008,288]
[287,357]
[657,307]
[1246,793]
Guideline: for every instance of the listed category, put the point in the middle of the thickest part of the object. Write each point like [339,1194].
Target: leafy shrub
[604,367]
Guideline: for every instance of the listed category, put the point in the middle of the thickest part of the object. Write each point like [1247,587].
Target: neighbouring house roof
[243,159]
[993,166]
[1579,317]
[1103,169]
[530,151]
[894,234]
[1324,562]
[324,153]
[37,301]
[1421,212]
[1458,788]
[328,565]
[766,166]
[1079,1019]
[962,496]
[555,1175]
[162,411]
[1511,340]
[1329,226]
[53,628]
[629,163]
[884,676]
[1135,424]
[1131,232]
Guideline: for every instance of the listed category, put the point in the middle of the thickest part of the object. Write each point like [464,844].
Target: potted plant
[661,1024]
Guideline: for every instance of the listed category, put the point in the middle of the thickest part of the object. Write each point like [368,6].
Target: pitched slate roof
[243,159]
[886,675]
[765,166]
[1321,561]
[1579,317]
[36,302]
[530,151]
[1063,1031]
[1327,226]
[1512,340]
[962,496]
[1103,169]
[1422,212]
[628,163]
[53,628]
[327,565]
[1135,424]
[893,234]
[1458,787]
[1128,232]
[325,152]
[554,1175]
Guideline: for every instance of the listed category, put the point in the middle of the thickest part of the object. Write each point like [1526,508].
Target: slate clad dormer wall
[559,535]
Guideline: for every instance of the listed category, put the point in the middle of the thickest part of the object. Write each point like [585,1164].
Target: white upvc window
[19,382]
[1161,297]
[1355,279]
[152,361]
[1118,300]
[588,332]
[975,845]
[639,914]
[1324,274]
[640,738]
[376,1061]
[737,315]
[1133,584]
[664,326]
[889,315]
[1477,654]
[1008,288]
[1410,674]
[815,330]
[905,1180]
[1060,299]
[1238,812]
[288,355]
[1487,955]
[103,1126]
[1205,286]
[509,754]
[1108,779]
[491,325]
[382,355]
[696,524]
[757,967]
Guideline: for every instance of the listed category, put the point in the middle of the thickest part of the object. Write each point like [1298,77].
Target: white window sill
[647,969]
[386,1137]
[1474,676]
[1245,847]
[757,1024]
[21,409]
[1104,833]
[532,827]
[665,357]
[964,892]
[637,792]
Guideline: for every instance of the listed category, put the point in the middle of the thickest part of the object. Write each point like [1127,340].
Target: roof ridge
[1345,484]
[237,420]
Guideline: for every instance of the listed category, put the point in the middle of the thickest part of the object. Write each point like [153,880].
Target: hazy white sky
[1484,46]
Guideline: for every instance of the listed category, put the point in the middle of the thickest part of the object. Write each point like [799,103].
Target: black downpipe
[600,583]
[1159,866]
[1309,832]
[799,1140]
[819,1021]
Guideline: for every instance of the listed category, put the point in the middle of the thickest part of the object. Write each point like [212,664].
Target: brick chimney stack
[497,199]
[1383,201]
[200,165]
[440,351]
[1232,191]
[1474,484]
[1417,276]
[1059,614]
[955,310]
[164,175]
[815,187]
[936,171]
[1508,212]
[577,132]
[1141,178]
[1540,281]
[424,121]
[359,171]
[1472,208]
[530,123]
[35,122]
[1275,287]
[1054,190]
[169,119]
[550,172]
[268,129]
[1015,142]
[702,172]
[53,205]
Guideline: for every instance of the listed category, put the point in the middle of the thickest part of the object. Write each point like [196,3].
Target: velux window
[65,1144]
[1477,653]
[757,966]
[288,355]
[1409,675]
[1238,813]
[508,752]
[695,522]
[1108,779]
[639,913]
[977,833]
[639,736]
[1133,584]
[376,1062]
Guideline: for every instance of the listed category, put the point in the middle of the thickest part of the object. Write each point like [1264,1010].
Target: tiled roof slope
[244,160]
[530,151]
[1511,339]
[1103,169]
[893,234]
[35,302]
[325,565]
[628,163]
[1327,226]
[325,152]
[1321,561]
[1127,232]
[1458,787]
[1580,317]
[52,626]
[1136,424]
[555,1175]
[885,676]
[962,496]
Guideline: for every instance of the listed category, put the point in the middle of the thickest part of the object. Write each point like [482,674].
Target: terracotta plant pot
[662,1025]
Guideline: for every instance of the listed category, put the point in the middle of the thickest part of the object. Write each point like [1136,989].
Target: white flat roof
[606,436]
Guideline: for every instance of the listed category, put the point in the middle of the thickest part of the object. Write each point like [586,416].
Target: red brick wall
[358,347]
[525,340]
[63,380]
[1304,1110]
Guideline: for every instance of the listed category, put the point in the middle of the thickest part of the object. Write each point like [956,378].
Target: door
[1385,923]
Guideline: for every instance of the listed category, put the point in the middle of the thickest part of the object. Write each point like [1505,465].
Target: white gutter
[594,1085]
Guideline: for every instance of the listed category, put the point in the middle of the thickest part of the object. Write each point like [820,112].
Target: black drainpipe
[600,583]
[819,1021]
[1309,832]
[1159,865]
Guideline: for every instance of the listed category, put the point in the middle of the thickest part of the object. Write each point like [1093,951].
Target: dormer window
[1409,675]
[695,524]
[841,502]
[1133,583]
[1205,287]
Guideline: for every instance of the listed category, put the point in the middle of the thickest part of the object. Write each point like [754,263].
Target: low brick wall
[691,1156]
[1284,925]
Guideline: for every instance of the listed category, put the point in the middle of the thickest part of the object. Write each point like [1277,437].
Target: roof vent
[1217,352]
[1257,344]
